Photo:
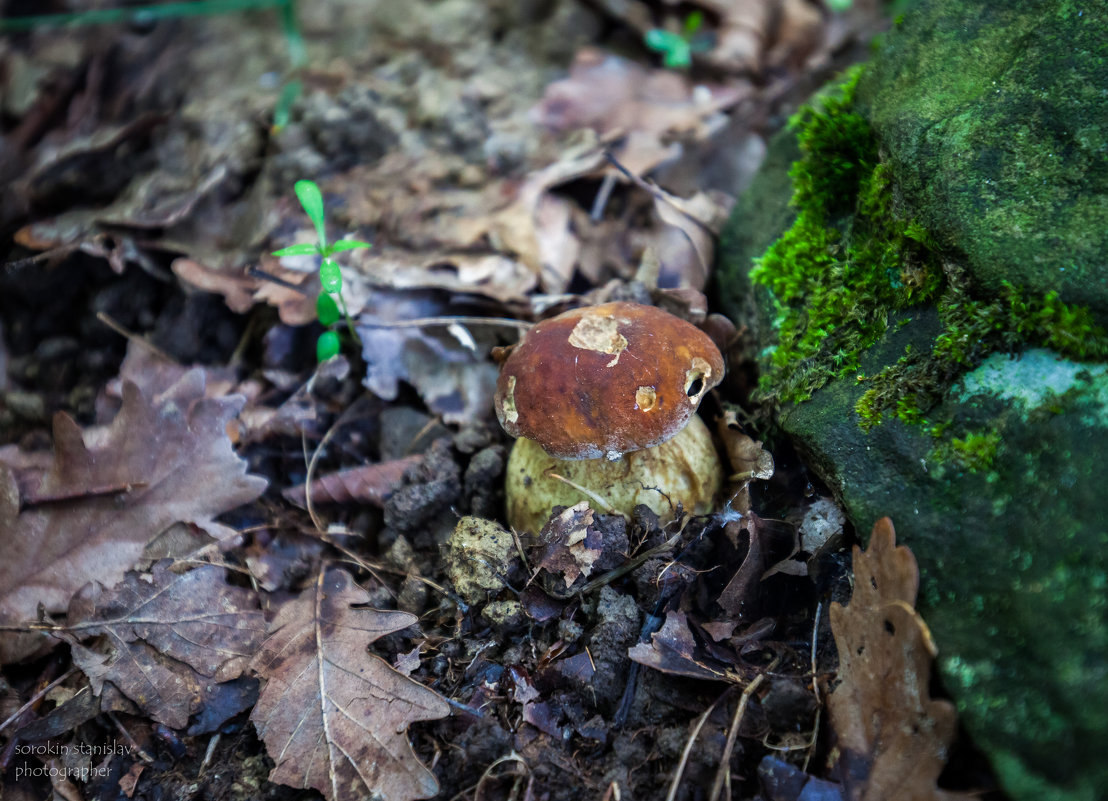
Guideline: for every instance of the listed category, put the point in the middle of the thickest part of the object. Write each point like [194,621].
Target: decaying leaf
[569,544]
[453,381]
[769,544]
[102,501]
[749,461]
[892,735]
[613,95]
[332,715]
[169,636]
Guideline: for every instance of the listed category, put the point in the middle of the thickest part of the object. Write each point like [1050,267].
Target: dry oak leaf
[170,637]
[155,465]
[332,715]
[893,736]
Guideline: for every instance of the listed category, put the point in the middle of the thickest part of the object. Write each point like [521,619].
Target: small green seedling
[330,277]
[677,48]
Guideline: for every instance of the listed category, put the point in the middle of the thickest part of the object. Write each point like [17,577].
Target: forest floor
[171,583]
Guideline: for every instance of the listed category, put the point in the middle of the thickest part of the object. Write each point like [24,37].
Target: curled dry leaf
[673,649]
[893,736]
[332,715]
[155,465]
[770,543]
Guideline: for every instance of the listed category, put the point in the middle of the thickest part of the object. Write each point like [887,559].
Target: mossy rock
[929,308]
[993,116]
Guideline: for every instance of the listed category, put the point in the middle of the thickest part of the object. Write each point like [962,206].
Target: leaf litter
[493,189]
[333,716]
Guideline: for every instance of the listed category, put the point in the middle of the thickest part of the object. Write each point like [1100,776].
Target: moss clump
[971,330]
[847,259]
[976,451]
[851,257]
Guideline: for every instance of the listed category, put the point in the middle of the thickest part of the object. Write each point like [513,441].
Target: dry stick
[679,771]
[602,196]
[427,322]
[658,193]
[131,336]
[724,769]
[135,747]
[815,690]
[37,697]
[29,501]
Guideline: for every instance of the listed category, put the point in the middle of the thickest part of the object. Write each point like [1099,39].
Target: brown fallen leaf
[237,290]
[892,735]
[175,458]
[332,715]
[371,483]
[167,634]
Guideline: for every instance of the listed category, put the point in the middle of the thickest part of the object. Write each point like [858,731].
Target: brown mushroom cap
[606,380]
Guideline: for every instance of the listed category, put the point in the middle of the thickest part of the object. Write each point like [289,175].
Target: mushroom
[603,400]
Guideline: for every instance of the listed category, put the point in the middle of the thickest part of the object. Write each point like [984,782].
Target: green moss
[972,329]
[976,451]
[847,259]
[851,257]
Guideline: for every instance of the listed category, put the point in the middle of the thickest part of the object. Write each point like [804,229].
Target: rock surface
[993,125]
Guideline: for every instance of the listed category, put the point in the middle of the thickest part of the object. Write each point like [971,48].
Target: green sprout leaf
[327,346]
[693,23]
[679,56]
[348,244]
[303,249]
[675,49]
[312,201]
[839,5]
[662,41]
[330,277]
[326,309]
[282,112]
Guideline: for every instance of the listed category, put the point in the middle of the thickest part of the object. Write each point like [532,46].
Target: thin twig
[656,191]
[257,272]
[427,322]
[599,501]
[131,336]
[724,768]
[135,747]
[679,771]
[37,697]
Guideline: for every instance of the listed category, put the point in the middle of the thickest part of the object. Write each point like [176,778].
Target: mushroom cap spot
[506,406]
[601,334]
[646,398]
[562,387]
[698,379]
